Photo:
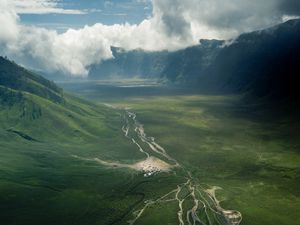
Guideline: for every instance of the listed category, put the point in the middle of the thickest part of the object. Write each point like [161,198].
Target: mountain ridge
[260,63]
[20,79]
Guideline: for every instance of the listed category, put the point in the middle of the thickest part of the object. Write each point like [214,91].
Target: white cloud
[42,7]
[75,50]
[8,20]
[289,17]
[174,24]
[215,18]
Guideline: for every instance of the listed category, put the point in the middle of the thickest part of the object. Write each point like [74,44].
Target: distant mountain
[263,63]
[185,66]
[130,63]
[173,66]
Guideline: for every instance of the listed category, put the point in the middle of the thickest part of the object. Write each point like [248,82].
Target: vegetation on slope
[41,182]
[18,78]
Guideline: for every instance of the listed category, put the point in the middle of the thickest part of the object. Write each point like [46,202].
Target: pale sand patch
[152,164]
[148,166]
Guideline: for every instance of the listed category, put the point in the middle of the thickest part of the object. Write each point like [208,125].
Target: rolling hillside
[41,129]
[18,78]
[36,109]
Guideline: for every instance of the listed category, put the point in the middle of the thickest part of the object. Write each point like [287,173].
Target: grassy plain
[251,154]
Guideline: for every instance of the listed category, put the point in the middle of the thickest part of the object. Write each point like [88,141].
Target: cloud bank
[174,24]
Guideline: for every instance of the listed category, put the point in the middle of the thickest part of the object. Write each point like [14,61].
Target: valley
[139,152]
[149,112]
[224,152]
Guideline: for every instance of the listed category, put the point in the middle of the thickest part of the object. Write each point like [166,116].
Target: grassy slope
[18,78]
[40,181]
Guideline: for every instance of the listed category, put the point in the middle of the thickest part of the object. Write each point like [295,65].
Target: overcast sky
[70,35]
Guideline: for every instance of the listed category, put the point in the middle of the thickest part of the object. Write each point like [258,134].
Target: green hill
[41,129]
[37,109]
[18,78]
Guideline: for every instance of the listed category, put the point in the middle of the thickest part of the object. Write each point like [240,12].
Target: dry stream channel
[205,208]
